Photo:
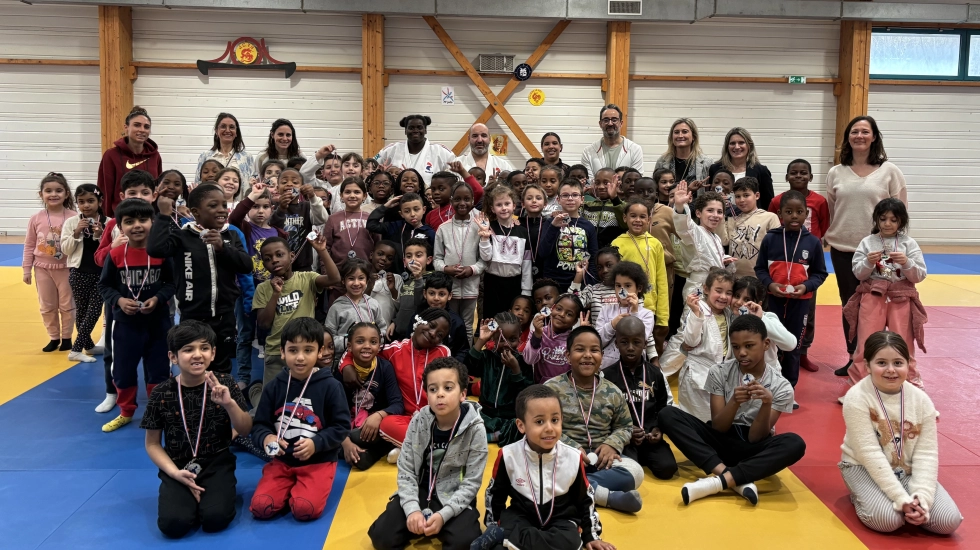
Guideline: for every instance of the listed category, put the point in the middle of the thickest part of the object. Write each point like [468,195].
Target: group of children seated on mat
[590,404]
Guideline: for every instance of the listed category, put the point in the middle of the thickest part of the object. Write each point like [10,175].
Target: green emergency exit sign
[797,80]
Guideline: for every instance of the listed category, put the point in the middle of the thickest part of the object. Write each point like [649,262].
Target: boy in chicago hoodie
[208,255]
[132,151]
[791,277]
[301,421]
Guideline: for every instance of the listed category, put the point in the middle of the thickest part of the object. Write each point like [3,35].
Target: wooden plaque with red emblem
[246,53]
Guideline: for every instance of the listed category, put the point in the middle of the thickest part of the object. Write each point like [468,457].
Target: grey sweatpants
[875,509]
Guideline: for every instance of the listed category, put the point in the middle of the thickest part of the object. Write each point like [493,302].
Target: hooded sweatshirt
[321,415]
[206,278]
[121,159]
[805,266]
[460,472]
[546,355]
[126,270]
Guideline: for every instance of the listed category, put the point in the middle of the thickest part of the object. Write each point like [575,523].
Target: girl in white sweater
[890,459]
[701,342]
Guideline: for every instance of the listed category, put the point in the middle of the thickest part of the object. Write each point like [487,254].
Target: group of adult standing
[862,179]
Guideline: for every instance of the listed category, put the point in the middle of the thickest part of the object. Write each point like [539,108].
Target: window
[933,54]
[974,56]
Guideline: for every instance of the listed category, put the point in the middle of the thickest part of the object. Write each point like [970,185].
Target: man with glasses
[613,150]
[479,154]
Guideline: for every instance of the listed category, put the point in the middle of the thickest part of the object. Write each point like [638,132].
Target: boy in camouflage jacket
[596,420]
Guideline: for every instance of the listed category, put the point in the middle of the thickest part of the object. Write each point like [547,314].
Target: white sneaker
[107,404]
[261,354]
[748,491]
[255,344]
[99,348]
[701,488]
[393,455]
[80,357]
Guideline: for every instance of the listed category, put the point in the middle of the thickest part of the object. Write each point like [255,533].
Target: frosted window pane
[915,54]
[974,69]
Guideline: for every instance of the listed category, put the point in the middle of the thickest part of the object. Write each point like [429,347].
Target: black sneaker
[491,538]
[52,345]
[843,370]
[65,344]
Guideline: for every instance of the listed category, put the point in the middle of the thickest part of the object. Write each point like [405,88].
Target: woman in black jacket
[738,155]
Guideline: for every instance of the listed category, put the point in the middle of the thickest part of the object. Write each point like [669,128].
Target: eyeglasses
[57,174]
[609,120]
[567,196]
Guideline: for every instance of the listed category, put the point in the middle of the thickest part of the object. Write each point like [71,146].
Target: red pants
[877,314]
[306,489]
[394,427]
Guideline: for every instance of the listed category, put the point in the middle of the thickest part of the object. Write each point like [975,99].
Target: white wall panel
[324,108]
[933,135]
[571,107]
[411,44]
[785,122]
[49,115]
[175,35]
[736,47]
[48,32]
[49,122]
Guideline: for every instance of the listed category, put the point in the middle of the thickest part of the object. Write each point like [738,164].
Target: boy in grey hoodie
[440,468]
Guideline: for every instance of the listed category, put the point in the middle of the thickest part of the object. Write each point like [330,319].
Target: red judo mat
[951,371]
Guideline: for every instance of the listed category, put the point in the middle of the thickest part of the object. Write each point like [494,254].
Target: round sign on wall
[536,97]
[522,72]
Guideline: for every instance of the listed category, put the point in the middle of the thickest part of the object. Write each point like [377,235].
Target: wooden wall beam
[512,85]
[618,66]
[115,56]
[491,97]
[373,81]
[854,73]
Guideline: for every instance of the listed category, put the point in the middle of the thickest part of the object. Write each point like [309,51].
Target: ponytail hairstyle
[408,118]
[59,179]
[135,112]
[93,189]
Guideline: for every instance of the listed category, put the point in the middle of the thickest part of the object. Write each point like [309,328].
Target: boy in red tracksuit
[137,288]
[791,265]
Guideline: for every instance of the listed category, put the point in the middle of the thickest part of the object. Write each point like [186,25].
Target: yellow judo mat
[788,514]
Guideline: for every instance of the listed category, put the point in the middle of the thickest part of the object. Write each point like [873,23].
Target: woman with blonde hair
[684,157]
[738,155]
